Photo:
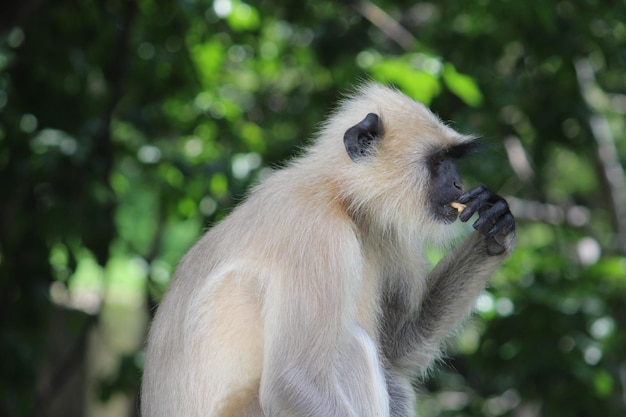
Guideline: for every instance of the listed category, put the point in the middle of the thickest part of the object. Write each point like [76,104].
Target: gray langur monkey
[314,298]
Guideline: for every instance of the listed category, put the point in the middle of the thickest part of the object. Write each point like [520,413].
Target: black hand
[495,220]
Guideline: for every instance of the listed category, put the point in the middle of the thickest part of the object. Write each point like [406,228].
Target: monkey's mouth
[449,213]
[444,212]
[440,207]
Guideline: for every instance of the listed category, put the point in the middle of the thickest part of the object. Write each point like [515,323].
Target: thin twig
[388,25]
[518,159]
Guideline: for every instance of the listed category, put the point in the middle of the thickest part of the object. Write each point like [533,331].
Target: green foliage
[128,127]
[462,86]
[417,75]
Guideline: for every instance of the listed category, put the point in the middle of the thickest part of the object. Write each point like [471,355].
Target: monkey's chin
[446,214]
[443,233]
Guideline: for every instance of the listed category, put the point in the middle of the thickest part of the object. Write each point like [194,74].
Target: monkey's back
[209,326]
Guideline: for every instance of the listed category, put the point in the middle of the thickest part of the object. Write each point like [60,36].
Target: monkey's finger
[469,211]
[474,205]
[492,214]
[471,194]
[504,226]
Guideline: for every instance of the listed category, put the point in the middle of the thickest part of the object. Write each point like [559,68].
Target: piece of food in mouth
[458,206]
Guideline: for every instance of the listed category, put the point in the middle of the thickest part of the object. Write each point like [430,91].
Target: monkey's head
[398,162]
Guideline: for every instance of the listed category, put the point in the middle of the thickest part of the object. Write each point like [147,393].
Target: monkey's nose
[458,185]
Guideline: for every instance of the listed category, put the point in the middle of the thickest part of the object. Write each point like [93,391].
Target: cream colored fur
[276,310]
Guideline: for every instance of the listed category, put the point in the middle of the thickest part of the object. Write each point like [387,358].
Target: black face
[446,185]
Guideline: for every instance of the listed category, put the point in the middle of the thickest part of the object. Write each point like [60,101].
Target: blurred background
[127,127]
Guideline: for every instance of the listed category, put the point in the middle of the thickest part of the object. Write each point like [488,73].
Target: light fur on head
[392,187]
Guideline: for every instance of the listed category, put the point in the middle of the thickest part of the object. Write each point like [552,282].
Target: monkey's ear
[361,139]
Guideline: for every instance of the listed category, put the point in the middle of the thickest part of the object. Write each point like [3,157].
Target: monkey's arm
[318,360]
[413,336]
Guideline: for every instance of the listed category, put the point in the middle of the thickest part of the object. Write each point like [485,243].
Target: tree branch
[577,216]
[606,151]
[65,369]
[388,25]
